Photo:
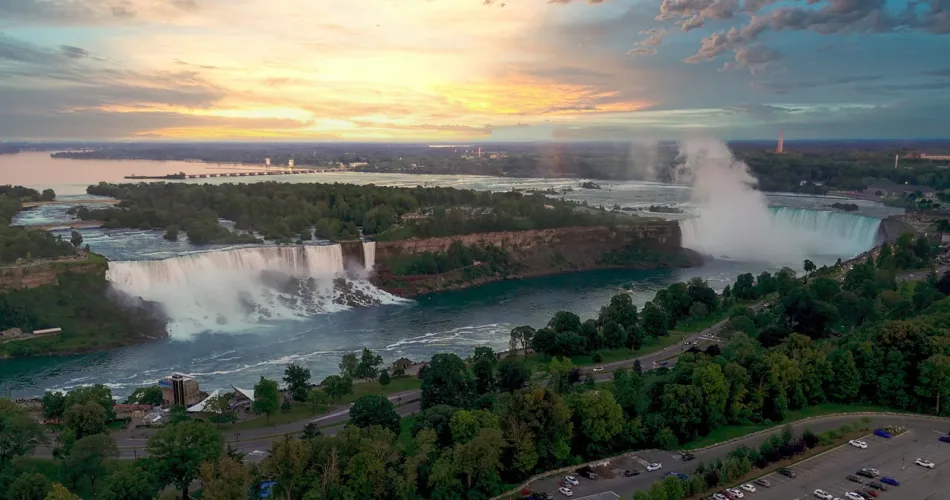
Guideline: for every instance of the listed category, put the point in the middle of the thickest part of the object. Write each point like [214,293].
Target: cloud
[905,87]
[938,72]
[83,12]
[761,111]
[825,17]
[785,86]
[755,58]
[73,52]
[648,45]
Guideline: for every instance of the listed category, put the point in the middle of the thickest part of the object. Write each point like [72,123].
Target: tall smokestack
[781,141]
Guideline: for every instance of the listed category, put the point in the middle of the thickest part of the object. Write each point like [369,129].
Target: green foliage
[19,433]
[29,487]
[297,379]
[477,261]
[178,450]
[384,378]
[151,395]
[447,381]
[374,410]
[266,397]
[19,243]
[368,367]
[337,386]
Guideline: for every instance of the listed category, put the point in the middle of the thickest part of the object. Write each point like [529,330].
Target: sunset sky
[487,70]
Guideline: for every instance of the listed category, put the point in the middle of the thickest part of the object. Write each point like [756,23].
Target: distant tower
[479,152]
[781,142]
[290,163]
[896,157]
[266,162]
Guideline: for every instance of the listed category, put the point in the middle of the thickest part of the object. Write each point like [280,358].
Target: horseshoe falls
[786,237]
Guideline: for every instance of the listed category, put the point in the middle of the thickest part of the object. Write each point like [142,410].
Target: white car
[924,463]
[857,443]
[573,480]
[654,466]
[598,368]
[566,491]
[823,495]
[736,493]
[719,496]
[853,496]
[748,487]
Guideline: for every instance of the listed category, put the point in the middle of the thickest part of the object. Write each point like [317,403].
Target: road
[671,460]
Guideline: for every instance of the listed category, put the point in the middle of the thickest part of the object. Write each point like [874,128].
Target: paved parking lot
[892,457]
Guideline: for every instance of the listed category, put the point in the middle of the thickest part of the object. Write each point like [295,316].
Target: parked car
[945,439]
[924,463]
[748,487]
[857,443]
[688,456]
[877,486]
[654,467]
[853,478]
[573,480]
[865,473]
[728,495]
[789,473]
[882,433]
[851,495]
[720,496]
[631,472]
[564,484]
[598,368]
[735,493]
[823,495]
[566,491]
[763,482]
[870,492]
[890,480]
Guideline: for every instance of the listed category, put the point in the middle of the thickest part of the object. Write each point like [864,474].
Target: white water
[234,289]
[369,255]
[735,221]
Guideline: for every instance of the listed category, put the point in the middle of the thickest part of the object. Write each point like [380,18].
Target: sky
[473,70]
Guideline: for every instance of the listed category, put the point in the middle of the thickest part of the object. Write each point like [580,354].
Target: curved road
[671,460]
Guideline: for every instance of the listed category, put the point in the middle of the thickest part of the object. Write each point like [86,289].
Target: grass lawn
[735,431]
[538,362]
[301,411]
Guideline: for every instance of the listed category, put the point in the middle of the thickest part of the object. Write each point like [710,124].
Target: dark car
[855,479]
[870,492]
[865,473]
[877,486]
[882,433]
[631,472]
[763,483]
[945,439]
[789,473]
[688,456]
[890,480]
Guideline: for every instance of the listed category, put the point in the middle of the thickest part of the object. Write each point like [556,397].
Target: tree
[598,418]
[75,238]
[846,381]
[266,398]
[935,378]
[447,381]
[374,410]
[368,367]
[87,457]
[85,419]
[19,433]
[54,405]
[179,450]
[311,431]
[655,321]
[483,368]
[521,337]
[98,394]
[287,465]
[560,370]
[131,482]
[59,492]
[513,374]
[297,379]
[337,386]
[171,232]
[316,398]
[30,486]
[227,479]
[809,267]
[620,310]
[637,367]
[348,365]
[384,378]
[151,395]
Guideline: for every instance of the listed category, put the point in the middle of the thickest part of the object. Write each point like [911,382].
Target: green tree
[177,451]
[85,419]
[521,337]
[171,232]
[54,405]
[846,381]
[348,365]
[368,367]
[19,433]
[809,268]
[266,398]
[316,399]
[935,378]
[311,431]
[29,486]
[337,386]
[288,465]
[447,380]
[98,394]
[75,238]
[655,321]
[374,410]
[151,395]
[483,369]
[131,482]
[513,374]
[598,418]
[620,310]
[87,457]
[59,492]
[227,479]
[384,378]
[297,379]
[666,439]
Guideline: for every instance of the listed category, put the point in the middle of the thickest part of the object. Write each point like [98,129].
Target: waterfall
[369,255]
[789,236]
[231,289]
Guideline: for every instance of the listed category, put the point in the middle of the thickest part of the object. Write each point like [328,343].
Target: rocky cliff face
[16,277]
[649,245]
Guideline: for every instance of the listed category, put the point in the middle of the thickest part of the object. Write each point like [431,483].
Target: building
[896,190]
[402,364]
[266,162]
[179,389]
[132,410]
[290,163]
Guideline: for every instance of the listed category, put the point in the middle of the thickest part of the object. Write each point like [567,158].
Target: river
[446,322]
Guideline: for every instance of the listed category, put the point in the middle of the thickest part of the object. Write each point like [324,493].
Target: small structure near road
[179,389]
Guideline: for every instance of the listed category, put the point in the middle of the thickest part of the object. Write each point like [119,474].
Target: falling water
[369,255]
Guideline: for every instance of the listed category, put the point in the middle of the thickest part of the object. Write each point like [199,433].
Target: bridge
[77,201]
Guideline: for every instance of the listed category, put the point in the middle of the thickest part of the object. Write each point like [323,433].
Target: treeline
[18,243]
[82,305]
[288,212]
[457,256]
